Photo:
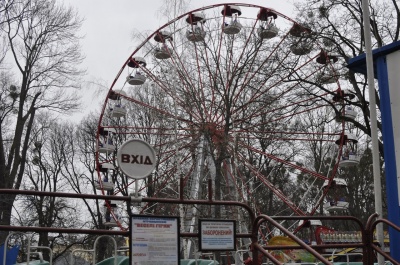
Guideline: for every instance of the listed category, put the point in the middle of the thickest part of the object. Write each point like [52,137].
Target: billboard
[154,240]
[217,235]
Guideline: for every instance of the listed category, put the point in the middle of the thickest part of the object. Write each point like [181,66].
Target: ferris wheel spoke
[315,174]
[260,111]
[273,188]
[187,79]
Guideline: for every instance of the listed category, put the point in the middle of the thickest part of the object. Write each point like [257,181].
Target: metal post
[373,123]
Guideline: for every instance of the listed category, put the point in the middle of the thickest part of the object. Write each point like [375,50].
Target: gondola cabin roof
[336,182]
[136,62]
[347,138]
[196,17]
[298,30]
[342,94]
[325,58]
[230,10]
[265,13]
[106,131]
[162,36]
[115,94]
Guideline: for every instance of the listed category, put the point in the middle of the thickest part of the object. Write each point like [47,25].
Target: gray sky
[108,29]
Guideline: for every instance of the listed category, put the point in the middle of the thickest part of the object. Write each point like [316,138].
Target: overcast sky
[108,30]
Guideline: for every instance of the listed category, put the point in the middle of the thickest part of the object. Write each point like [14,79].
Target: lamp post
[373,123]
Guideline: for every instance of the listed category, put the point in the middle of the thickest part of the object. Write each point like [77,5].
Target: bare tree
[79,171]
[44,56]
[339,26]
[49,154]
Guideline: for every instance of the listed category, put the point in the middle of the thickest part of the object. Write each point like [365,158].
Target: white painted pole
[373,123]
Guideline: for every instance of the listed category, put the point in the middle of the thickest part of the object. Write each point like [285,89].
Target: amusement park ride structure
[227,95]
[217,94]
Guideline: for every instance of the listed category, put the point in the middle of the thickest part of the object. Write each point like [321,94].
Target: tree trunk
[6,205]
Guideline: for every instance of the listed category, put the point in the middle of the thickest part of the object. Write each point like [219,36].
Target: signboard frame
[152,226]
[204,241]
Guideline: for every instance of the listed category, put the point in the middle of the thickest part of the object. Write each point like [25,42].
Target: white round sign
[136,158]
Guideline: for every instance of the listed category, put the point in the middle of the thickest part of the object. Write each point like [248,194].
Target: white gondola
[106,145]
[337,195]
[349,154]
[232,28]
[105,185]
[196,35]
[350,159]
[118,111]
[137,79]
[268,32]
[350,113]
[162,53]
[301,47]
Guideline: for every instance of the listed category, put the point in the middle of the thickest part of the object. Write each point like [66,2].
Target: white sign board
[217,235]
[136,158]
[154,240]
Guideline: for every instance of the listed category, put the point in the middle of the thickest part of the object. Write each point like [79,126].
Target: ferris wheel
[238,95]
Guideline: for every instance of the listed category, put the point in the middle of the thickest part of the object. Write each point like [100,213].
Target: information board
[154,240]
[217,235]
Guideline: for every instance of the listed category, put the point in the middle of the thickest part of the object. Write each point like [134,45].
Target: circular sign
[136,158]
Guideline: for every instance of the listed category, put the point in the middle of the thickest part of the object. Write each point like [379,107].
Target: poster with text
[154,240]
[217,235]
